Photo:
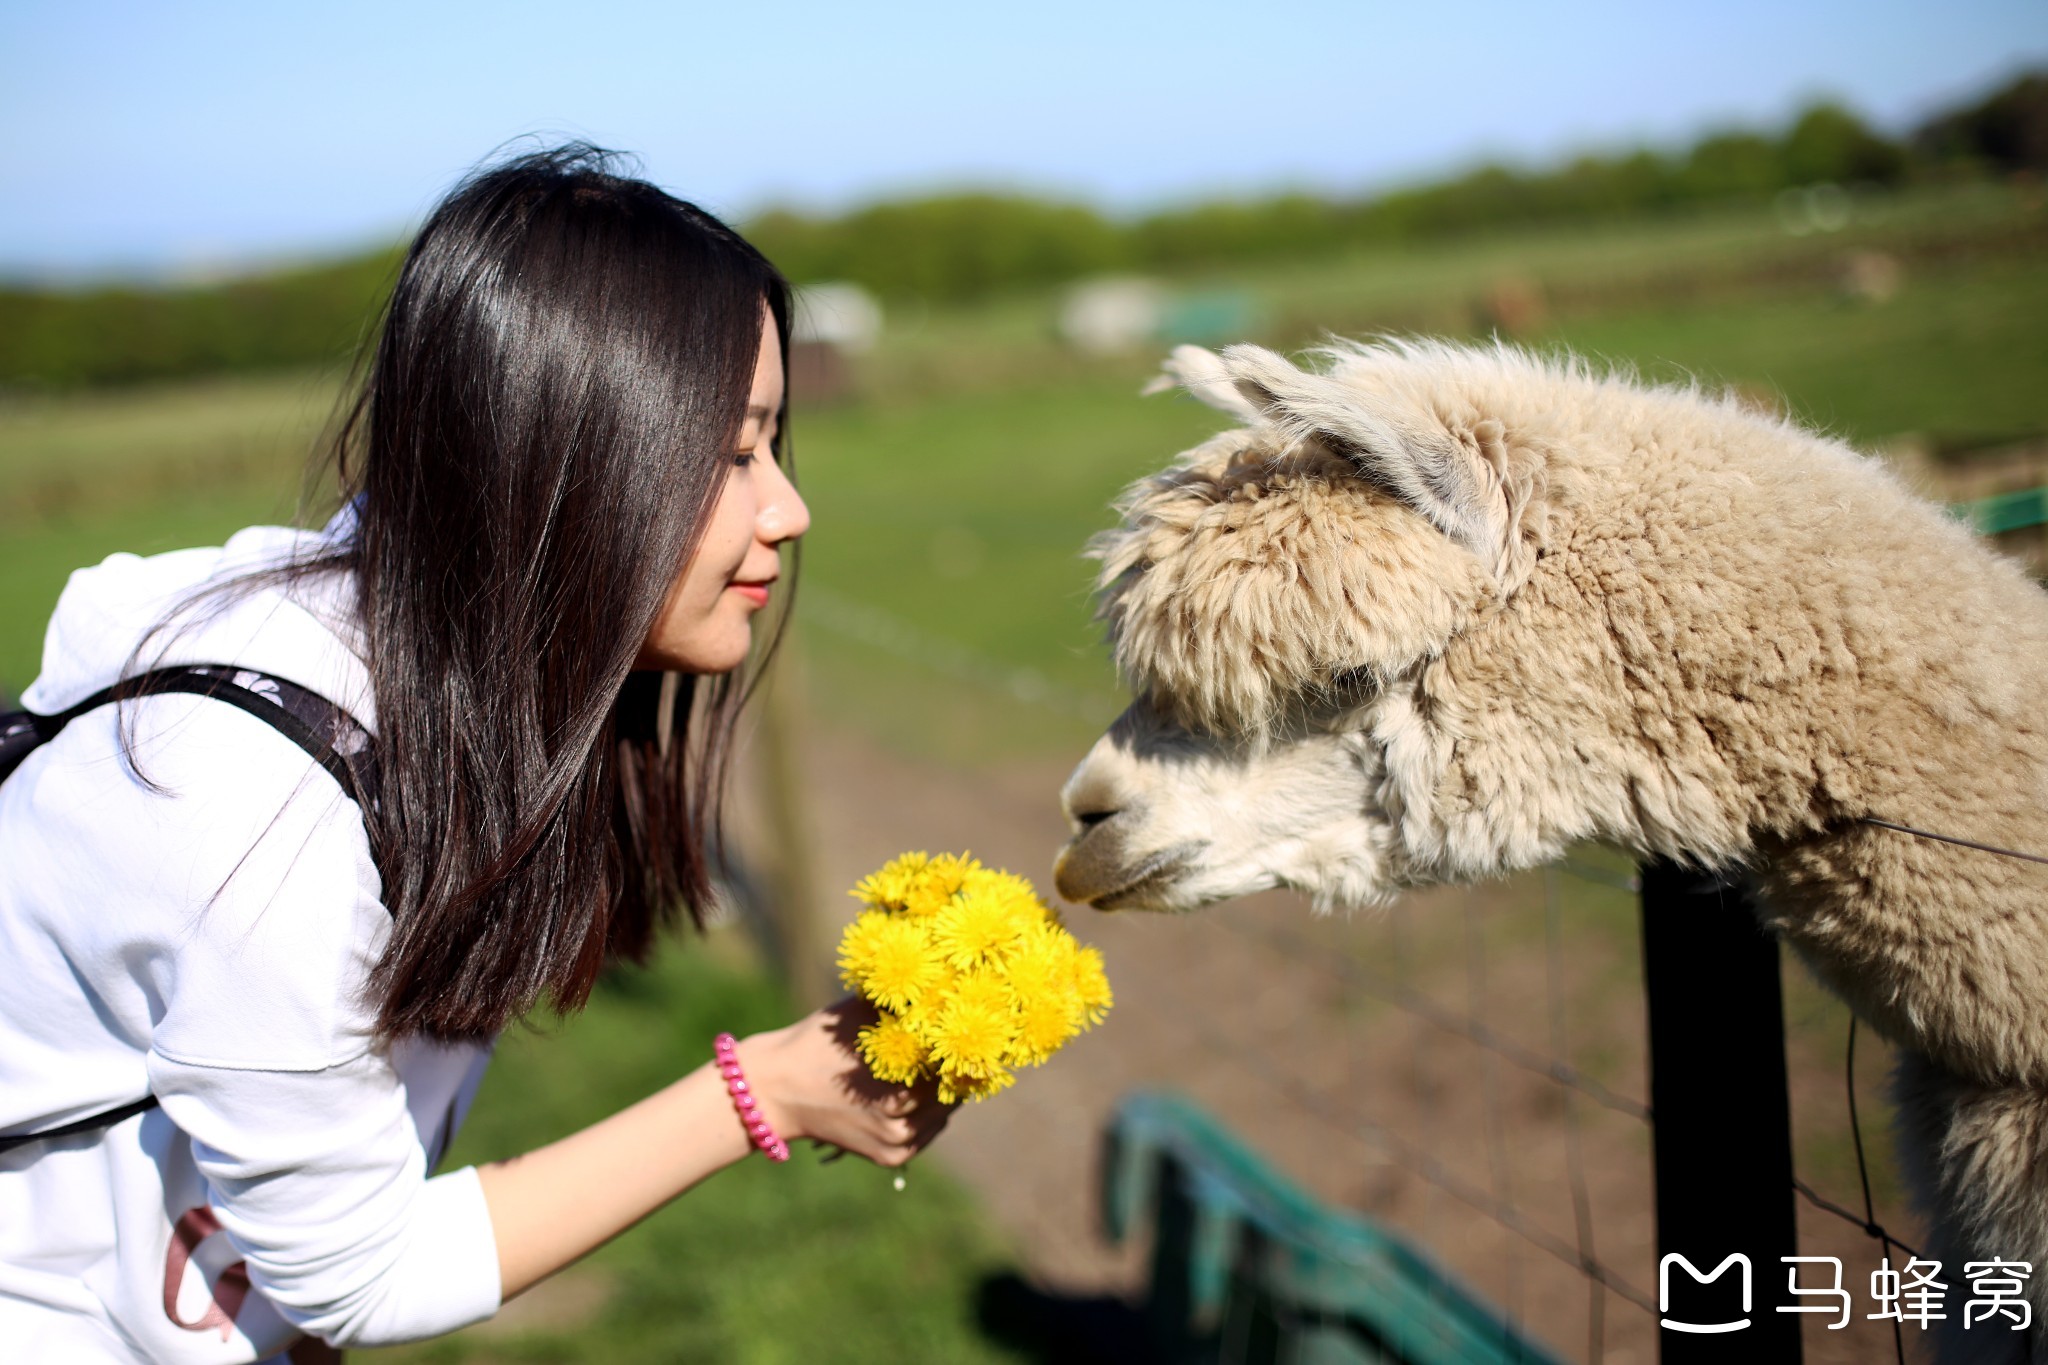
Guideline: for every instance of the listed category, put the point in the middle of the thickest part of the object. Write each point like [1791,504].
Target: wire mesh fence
[1492,1053]
[1482,1053]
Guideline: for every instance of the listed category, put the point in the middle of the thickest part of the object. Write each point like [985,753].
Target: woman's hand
[811,1083]
[554,1204]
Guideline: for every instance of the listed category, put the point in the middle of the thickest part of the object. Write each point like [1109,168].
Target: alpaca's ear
[1202,374]
[1421,463]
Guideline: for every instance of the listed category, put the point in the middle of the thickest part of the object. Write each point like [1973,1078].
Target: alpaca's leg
[1976,1159]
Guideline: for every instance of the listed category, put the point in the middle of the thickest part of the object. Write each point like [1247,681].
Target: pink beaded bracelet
[743,1100]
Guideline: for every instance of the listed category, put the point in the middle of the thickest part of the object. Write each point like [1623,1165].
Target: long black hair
[540,435]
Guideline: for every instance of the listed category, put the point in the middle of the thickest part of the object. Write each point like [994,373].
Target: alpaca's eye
[1353,683]
[1364,678]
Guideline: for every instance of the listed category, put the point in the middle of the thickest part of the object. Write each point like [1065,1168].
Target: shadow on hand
[847,1018]
[1059,1330]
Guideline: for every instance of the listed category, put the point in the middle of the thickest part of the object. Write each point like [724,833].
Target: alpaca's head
[1264,598]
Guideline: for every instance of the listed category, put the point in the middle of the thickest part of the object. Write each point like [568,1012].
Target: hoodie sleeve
[261,1052]
[319,1180]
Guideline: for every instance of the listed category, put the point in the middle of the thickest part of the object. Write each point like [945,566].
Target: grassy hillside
[138,470]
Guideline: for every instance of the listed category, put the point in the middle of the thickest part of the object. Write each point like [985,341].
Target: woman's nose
[783,515]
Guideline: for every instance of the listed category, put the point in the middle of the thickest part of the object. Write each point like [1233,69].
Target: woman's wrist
[760,1057]
[554,1204]
[752,1116]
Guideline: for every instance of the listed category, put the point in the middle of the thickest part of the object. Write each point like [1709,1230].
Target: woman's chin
[718,650]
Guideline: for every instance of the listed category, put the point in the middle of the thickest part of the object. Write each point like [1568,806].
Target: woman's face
[706,625]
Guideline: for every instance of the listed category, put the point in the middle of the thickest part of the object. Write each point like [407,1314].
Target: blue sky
[165,136]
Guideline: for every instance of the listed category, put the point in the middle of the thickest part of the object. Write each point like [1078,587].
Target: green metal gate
[1247,1268]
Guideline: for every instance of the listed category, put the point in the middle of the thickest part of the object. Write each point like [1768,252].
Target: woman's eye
[742,458]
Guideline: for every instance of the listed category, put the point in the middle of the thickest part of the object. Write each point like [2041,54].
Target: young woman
[564,508]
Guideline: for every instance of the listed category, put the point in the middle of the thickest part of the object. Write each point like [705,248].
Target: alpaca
[1435,613]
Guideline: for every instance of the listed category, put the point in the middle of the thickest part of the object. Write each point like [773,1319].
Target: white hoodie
[208,942]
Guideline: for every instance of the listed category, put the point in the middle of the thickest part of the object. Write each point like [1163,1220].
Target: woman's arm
[559,1202]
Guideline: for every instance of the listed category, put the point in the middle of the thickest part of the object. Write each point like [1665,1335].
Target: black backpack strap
[105,1119]
[331,736]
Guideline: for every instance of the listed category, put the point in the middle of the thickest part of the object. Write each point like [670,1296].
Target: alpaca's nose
[1092,860]
[1091,795]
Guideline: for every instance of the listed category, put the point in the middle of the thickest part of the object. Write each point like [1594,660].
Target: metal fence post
[1721,1120]
[793,905]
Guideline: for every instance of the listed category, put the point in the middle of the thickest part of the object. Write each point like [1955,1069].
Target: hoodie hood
[131,613]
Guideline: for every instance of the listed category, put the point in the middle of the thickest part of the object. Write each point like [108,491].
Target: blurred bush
[953,247]
[52,338]
[2006,132]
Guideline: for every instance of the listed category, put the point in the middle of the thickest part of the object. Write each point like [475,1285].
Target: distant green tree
[1829,143]
[1608,187]
[126,334]
[2007,131]
[962,246]
[1732,165]
[1238,229]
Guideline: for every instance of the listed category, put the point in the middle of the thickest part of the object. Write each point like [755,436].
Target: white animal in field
[1435,613]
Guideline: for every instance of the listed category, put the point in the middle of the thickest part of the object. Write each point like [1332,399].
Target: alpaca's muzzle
[1096,868]
[1091,863]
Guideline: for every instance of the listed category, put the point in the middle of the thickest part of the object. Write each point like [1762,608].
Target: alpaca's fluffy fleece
[1543,605]
[1284,554]
[1253,572]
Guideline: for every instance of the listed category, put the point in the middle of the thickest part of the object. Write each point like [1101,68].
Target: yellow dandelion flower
[970,1041]
[856,946]
[890,886]
[1091,985]
[1044,1024]
[974,974]
[922,1020]
[922,1016]
[1015,894]
[952,1090]
[982,881]
[892,1051]
[979,989]
[1038,962]
[974,929]
[948,873]
[889,960]
[936,883]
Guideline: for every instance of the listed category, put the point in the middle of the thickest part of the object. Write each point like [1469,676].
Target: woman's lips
[757,593]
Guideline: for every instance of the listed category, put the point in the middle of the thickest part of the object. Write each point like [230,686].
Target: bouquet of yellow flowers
[972,973]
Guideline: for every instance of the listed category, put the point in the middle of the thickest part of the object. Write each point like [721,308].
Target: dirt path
[1351,1097]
